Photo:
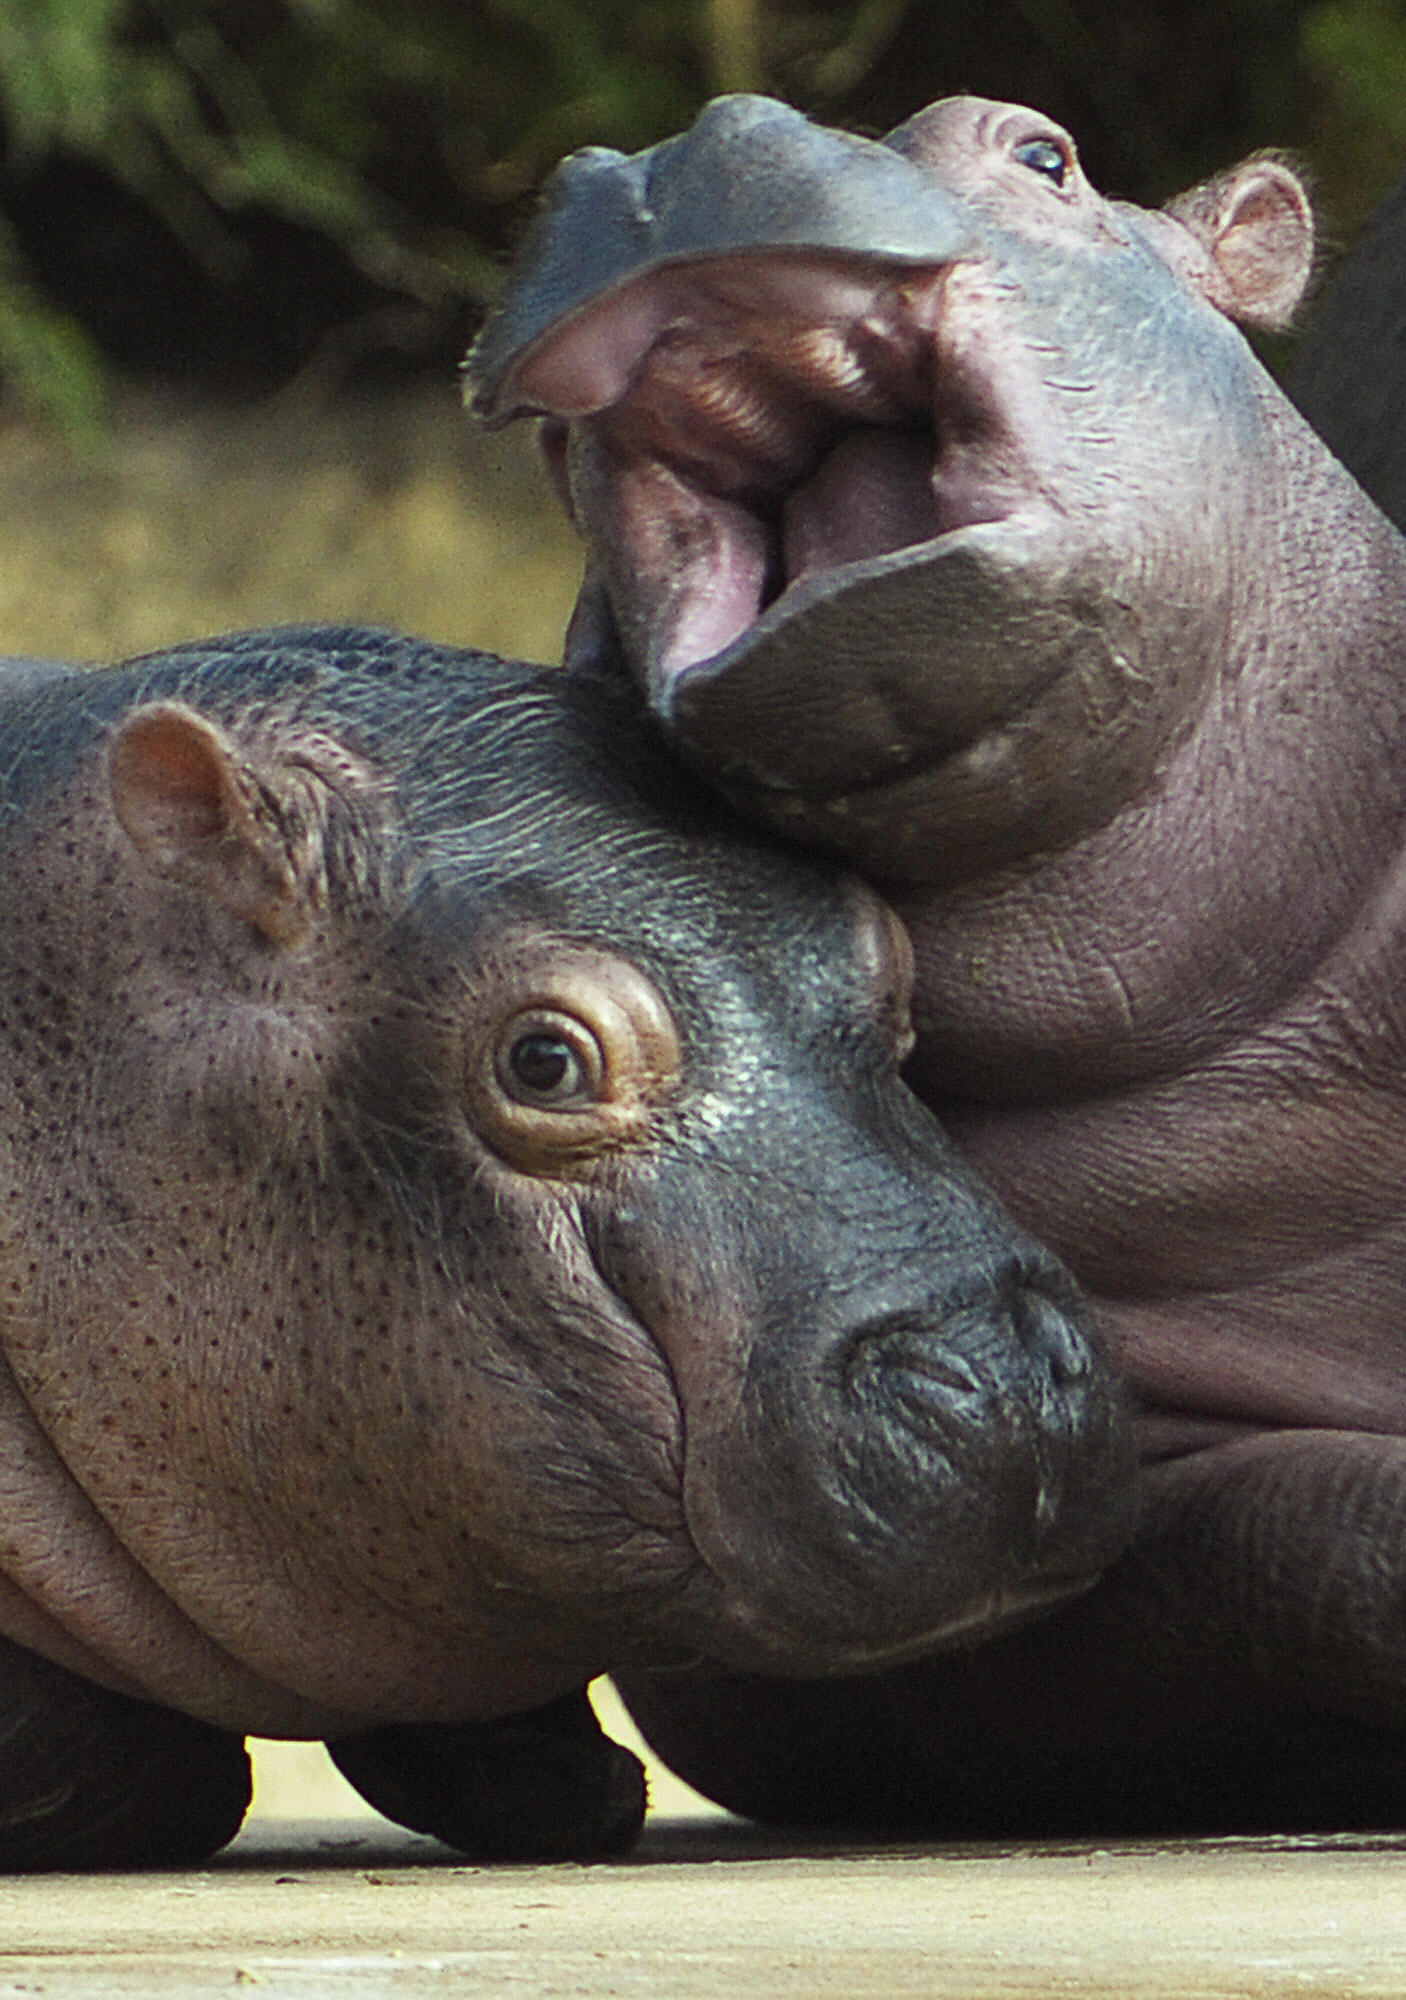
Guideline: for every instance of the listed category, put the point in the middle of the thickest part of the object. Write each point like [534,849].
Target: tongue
[871,494]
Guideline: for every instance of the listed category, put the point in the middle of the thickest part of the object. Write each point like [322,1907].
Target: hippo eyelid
[1047,155]
[571,1052]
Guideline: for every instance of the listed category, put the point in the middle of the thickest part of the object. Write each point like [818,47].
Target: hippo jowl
[944,517]
[465,1230]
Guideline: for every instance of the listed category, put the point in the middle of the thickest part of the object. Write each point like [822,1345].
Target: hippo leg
[1242,1670]
[800,1753]
[934,1758]
[93,1779]
[545,1786]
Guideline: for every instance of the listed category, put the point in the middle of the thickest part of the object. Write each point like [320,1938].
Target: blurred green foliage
[410,134]
[1359,47]
[317,111]
[1354,52]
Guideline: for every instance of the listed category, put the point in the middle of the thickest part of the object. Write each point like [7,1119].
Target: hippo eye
[570,1052]
[1047,157]
[554,1063]
[543,1066]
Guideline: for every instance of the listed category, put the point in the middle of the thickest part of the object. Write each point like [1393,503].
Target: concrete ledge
[353,1910]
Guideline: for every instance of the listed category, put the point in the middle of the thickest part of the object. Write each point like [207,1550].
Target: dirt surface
[347,1907]
[708,1908]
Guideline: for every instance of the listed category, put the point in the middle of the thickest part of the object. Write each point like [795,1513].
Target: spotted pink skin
[1016,580]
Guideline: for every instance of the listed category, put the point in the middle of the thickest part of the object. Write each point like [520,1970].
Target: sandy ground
[709,1908]
[320,1898]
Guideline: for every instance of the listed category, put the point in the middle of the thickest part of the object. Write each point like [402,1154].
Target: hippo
[466,1231]
[940,510]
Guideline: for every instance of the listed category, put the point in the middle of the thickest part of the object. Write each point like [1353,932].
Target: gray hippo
[948,523]
[464,1230]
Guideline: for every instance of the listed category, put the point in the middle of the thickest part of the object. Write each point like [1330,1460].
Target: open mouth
[741,433]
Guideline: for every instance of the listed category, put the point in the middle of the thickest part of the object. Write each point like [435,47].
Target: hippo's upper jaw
[738,400]
[792,449]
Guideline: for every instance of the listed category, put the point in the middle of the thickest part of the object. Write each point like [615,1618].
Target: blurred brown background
[188,517]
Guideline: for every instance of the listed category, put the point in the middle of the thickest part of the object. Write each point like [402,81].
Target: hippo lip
[739,1640]
[748,433]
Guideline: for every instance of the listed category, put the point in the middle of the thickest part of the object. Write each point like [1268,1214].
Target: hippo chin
[465,1231]
[982,552]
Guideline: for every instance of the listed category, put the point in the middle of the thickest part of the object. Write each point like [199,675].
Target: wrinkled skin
[1004,571]
[420,1292]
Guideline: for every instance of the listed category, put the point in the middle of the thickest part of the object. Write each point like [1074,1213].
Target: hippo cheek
[876,1467]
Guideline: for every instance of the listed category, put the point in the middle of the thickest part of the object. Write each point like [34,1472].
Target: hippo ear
[198,813]
[1255,226]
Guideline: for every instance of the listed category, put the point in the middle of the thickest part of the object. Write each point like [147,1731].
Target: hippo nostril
[1049,1332]
[953,1359]
[906,1349]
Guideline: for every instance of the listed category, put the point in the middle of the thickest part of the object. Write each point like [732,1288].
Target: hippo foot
[92,1779]
[545,1786]
[936,1755]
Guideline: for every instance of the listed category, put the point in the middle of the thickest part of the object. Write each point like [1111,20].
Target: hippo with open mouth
[944,518]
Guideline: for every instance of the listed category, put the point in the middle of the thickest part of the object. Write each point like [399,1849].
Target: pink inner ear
[1263,251]
[1255,228]
[186,803]
[1259,251]
[169,780]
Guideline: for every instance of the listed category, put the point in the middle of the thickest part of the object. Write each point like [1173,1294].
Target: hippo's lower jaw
[847,562]
[853,422]
[796,1655]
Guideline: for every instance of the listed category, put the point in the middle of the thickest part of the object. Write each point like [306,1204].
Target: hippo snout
[972,1437]
[926,1446]
[1008,1370]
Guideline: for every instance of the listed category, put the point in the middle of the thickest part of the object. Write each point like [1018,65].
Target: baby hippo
[465,1232]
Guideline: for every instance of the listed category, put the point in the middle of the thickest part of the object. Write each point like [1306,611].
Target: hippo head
[762,1374]
[473,1232]
[920,482]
